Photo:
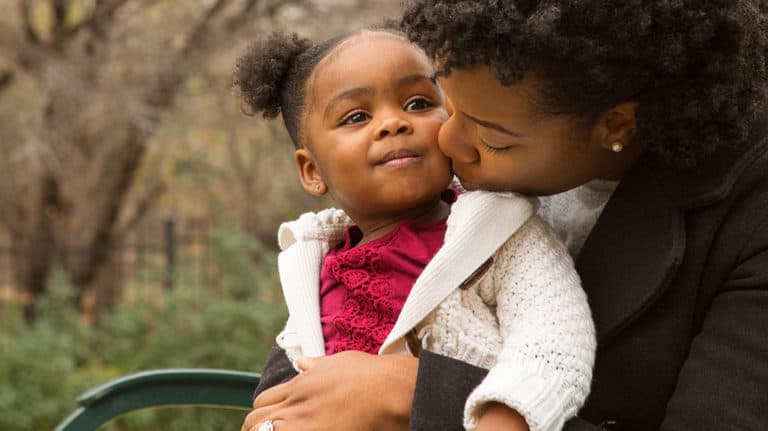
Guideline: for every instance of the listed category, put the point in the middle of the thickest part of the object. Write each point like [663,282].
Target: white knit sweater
[525,318]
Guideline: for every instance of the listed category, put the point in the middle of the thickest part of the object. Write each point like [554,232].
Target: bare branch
[243,173]
[102,17]
[16,46]
[11,214]
[6,79]
[144,204]
[248,8]
[170,80]
[59,31]
[196,37]
[26,19]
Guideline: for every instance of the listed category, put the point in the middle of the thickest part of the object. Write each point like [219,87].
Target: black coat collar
[634,250]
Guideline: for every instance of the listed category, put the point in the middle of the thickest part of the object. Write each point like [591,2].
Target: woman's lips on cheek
[469,186]
[466,185]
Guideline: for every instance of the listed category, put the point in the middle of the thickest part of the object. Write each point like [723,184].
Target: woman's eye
[494,148]
[419,104]
[356,117]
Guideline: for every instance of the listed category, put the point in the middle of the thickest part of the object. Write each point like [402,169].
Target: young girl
[400,266]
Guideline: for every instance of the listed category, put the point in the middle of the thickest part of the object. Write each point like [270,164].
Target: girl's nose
[454,140]
[392,126]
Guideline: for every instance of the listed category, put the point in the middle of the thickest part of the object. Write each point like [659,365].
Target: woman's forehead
[476,91]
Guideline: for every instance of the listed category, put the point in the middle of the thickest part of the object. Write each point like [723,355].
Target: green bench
[157,388]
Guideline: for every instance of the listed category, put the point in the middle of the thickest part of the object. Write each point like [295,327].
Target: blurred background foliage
[138,205]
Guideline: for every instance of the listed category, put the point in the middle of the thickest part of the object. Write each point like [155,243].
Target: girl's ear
[617,127]
[309,174]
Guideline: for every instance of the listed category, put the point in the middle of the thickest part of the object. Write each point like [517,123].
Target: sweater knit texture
[502,293]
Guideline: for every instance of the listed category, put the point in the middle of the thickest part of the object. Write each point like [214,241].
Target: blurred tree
[91,80]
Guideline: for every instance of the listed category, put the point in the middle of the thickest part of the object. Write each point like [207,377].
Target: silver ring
[266,426]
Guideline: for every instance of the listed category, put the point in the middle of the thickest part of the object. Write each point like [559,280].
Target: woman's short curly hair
[697,67]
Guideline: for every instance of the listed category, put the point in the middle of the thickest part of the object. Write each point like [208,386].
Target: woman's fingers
[257,416]
[306,363]
[274,395]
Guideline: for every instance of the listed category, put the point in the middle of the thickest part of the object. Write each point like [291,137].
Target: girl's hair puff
[271,75]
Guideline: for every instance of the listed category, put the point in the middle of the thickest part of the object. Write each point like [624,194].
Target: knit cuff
[328,225]
[536,394]
[288,341]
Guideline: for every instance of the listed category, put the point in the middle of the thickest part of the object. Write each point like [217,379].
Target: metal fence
[166,252]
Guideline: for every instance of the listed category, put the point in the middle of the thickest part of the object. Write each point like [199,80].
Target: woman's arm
[442,387]
[724,381]
[278,369]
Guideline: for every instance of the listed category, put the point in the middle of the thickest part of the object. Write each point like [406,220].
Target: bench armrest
[167,387]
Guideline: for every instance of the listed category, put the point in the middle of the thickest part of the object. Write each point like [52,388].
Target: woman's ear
[617,127]
[309,174]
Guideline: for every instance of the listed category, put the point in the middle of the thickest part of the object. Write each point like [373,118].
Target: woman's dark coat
[676,271]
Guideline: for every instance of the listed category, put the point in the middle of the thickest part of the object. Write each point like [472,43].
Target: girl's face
[373,116]
[496,140]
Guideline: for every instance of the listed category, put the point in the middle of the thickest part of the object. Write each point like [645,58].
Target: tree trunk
[34,246]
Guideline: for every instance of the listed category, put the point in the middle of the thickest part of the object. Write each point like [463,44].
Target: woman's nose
[393,125]
[449,106]
[454,140]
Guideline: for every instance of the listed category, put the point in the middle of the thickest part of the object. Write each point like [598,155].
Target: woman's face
[497,141]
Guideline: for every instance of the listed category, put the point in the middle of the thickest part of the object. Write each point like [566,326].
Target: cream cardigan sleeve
[544,367]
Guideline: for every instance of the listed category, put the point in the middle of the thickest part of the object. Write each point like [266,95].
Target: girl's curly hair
[271,74]
[697,67]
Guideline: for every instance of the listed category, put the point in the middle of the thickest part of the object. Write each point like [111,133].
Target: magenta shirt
[363,288]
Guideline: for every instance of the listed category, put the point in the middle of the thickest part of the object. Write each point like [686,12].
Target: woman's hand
[348,391]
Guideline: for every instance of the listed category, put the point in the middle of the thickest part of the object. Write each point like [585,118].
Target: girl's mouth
[399,158]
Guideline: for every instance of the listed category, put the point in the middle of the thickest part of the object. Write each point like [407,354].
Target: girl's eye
[418,104]
[355,117]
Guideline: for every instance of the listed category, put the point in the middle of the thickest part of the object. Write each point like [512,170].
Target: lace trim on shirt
[368,314]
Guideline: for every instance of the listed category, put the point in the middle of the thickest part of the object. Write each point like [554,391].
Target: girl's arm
[456,380]
[544,368]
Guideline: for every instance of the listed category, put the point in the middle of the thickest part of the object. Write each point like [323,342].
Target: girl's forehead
[363,40]
[364,54]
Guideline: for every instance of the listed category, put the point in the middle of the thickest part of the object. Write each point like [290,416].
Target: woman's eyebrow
[493,126]
[346,94]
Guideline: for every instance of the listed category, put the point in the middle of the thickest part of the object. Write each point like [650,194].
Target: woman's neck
[377,227]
